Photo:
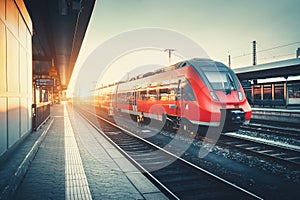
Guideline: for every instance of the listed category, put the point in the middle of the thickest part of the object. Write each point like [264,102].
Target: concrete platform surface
[277,115]
[71,160]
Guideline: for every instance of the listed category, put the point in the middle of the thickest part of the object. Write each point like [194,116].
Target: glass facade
[267,93]
[257,92]
[294,93]
[279,91]
[274,94]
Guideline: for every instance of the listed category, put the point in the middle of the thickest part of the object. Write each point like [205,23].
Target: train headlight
[214,96]
[240,95]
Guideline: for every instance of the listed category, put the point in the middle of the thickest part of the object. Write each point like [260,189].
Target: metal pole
[34,108]
[254,52]
[286,93]
[170,54]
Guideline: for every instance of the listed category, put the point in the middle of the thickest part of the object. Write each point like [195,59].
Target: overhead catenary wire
[268,49]
[285,55]
[285,45]
[268,52]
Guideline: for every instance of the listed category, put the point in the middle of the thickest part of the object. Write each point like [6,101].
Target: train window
[187,91]
[221,80]
[152,95]
[122,98]
[217,76]
[164,94]
[131,99]
[143,95]
[172,95]
[167,94]
[164,97]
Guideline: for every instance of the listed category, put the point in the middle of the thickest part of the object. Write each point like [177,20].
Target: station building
[15,73]
[275,84]
[39,45]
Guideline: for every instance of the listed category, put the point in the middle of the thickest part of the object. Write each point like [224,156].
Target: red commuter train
[196,92]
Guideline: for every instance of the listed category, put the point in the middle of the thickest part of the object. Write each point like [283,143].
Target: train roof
[204,62]
[194,62]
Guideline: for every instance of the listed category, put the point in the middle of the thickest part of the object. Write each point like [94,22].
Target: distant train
[196,92]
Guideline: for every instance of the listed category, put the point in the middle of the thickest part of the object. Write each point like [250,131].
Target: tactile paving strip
[75,179]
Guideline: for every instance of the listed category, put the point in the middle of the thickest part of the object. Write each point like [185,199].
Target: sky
[220,27]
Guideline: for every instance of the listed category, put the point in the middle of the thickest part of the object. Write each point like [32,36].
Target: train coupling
[237,116]
[232,116]
[232,119]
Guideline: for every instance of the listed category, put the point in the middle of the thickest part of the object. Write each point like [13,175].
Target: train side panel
[183,92]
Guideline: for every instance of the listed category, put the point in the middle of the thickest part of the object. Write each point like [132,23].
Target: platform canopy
[59,27]
[283,68]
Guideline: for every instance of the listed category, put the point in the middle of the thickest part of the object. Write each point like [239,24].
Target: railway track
[288,154]
[272,130]
[178,178]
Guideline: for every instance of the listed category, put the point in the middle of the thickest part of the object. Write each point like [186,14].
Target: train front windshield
[218,77]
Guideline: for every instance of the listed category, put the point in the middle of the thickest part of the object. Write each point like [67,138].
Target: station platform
[68,159]
[286,115]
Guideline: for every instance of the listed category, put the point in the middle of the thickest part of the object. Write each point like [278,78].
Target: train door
[134,103]
[179,99]
[111,109]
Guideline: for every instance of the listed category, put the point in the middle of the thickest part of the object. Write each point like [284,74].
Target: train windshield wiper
[231,85]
